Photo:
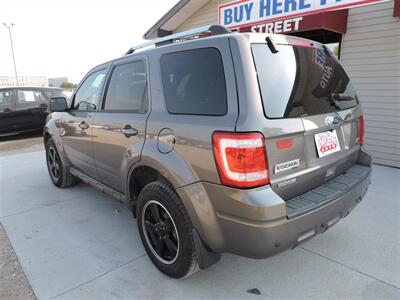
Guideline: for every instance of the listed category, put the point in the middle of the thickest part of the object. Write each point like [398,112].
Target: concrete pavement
[78,243]
[23,143]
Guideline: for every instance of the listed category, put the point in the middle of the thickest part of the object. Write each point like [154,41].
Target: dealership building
[364,34]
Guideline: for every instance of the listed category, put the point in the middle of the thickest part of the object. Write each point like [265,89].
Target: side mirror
[58,104]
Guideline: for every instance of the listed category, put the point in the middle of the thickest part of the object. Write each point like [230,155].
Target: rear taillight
[241,159]
[362,129]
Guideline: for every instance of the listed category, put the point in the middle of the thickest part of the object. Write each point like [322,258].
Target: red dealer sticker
[327,143]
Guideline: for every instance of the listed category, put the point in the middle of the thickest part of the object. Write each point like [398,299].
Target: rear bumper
[257,223]
[259,240]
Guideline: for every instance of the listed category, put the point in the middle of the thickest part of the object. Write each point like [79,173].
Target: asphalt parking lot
[78,243]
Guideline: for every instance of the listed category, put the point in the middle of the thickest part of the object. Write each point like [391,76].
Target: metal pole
[12,50]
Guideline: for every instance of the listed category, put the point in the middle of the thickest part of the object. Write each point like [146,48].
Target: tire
[159,196]
[59,175]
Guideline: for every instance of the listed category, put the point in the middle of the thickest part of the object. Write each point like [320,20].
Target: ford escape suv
[218,142]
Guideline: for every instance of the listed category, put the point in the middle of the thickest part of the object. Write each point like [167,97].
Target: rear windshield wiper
[341,97]
[271,45]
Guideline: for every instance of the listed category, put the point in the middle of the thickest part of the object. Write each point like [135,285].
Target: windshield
[300,81]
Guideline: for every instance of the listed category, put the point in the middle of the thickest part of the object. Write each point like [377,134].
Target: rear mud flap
[206,258]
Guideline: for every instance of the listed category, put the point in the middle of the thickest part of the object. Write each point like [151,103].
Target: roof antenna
[271,44]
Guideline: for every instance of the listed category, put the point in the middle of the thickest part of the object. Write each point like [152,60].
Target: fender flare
[51,129]
[181,175]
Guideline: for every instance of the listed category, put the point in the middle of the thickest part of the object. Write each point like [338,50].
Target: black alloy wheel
[160,232]
[166,230]
[59,175]
[53,163]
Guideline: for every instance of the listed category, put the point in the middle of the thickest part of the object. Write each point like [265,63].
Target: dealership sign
[251,12]
[334,21]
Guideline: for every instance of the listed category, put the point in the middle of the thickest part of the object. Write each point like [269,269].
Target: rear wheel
[59,175]
[166,230]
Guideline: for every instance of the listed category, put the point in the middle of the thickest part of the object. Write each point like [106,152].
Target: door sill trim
[98,185]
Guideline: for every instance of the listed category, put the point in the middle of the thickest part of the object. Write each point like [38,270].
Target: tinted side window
[194,82]
[5,97]
[52,93]
[88,95]
[128,88]
[27,96]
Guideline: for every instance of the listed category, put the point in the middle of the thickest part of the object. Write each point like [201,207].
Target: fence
[38,81]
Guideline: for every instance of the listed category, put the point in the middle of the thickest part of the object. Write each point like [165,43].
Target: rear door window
[127,89]
[194,82]
[29,96]
[301,81]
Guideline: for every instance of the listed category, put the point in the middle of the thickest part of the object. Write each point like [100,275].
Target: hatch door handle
[84,125]
[128,131]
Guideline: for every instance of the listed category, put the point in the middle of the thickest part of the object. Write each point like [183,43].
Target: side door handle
[84,125]
[128,131]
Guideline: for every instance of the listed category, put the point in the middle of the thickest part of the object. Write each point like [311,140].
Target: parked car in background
[24,109]
[228,142]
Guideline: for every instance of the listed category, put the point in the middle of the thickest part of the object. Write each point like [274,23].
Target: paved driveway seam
[350,268]
[47,205]
[99,276]
[382,191]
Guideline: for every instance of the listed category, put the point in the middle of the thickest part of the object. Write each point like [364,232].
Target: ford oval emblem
[332,120]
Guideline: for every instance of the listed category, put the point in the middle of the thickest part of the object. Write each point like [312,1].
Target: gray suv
[218,142]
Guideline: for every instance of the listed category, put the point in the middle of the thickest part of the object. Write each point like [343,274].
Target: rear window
[53,93]
[300,81]
[194,82]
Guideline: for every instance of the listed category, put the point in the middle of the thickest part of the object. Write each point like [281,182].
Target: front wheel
[166,230]
[59,175]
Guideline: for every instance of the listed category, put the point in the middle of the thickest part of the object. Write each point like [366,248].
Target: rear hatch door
[311,112]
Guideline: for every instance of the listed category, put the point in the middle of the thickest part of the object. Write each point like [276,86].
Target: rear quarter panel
[192,157]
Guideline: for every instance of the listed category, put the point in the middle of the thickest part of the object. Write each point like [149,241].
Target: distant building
[57,82]
[37,81]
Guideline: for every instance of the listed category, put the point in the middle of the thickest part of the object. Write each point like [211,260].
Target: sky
[66,38]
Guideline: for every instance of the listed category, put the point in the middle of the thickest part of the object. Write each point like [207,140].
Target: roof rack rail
[209,29]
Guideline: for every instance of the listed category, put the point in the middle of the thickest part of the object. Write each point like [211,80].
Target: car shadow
[21,136]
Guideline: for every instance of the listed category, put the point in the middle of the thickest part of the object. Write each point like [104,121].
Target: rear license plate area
[327,142]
